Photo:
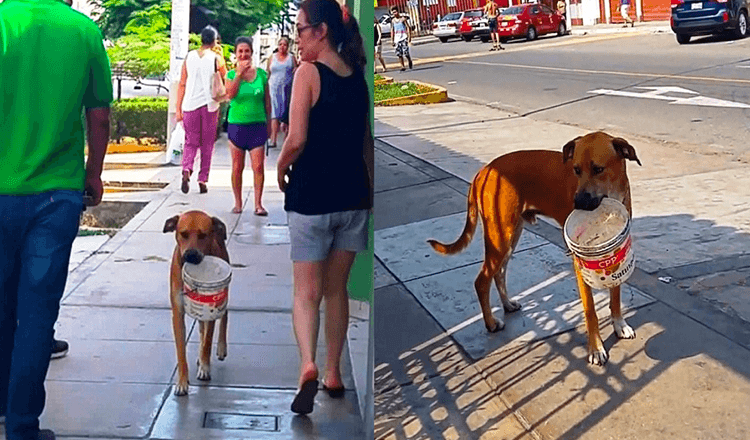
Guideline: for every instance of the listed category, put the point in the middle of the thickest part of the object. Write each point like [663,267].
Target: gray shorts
[313,236]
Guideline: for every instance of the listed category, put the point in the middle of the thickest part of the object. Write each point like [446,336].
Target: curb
[133,148]
[435,97]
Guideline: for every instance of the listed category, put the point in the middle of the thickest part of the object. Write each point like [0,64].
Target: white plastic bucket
[206,288]
[601,244]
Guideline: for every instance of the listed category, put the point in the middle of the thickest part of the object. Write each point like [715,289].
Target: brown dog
[518,186]
[197,235]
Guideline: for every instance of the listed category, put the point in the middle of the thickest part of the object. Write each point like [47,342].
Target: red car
[474,25]
[529,20]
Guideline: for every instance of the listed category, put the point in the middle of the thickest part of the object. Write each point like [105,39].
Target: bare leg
[274,130]
[256,159]
[337,267]
[308,293]
[238,166]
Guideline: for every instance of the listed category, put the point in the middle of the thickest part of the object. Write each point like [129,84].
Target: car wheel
[443,39]
[467,38]
[683,39]
[484,39]
[531,33]
[741,30]
[561,29]
[504,40]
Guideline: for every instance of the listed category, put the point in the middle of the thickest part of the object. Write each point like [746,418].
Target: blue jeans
[36,236]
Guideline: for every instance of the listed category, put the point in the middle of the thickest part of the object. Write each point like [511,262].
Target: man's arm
[97,128]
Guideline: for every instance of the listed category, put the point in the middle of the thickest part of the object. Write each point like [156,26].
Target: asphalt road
[696,95]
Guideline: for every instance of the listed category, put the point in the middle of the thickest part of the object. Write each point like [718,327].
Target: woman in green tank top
[248,118]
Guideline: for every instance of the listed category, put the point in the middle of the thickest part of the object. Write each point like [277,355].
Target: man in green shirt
[52,66]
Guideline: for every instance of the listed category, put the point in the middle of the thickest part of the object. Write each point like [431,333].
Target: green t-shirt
[52,66]
[249,106]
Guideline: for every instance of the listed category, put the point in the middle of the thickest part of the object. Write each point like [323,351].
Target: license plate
[505,23]
[696,6]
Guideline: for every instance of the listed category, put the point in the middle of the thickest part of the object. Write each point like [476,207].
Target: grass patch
[397,90]
[378,77]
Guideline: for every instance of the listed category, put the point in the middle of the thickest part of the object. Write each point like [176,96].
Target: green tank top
[249,106]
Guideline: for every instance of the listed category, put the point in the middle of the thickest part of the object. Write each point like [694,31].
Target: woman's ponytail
[343,30]
[352,48]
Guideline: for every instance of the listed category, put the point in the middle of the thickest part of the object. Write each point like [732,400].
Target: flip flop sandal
[261,213]
[305,398]
[335,392]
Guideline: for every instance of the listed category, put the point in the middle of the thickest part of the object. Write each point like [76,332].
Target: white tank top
[200,71]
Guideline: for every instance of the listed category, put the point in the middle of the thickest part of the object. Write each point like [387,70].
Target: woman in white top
[197,110]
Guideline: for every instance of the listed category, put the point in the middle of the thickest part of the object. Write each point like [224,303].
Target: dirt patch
[110,215]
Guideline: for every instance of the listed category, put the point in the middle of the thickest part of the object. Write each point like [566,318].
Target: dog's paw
[181,388]
[598,357]
[204,372]
[511,306]
[495,327]
[221,351]
[622,329]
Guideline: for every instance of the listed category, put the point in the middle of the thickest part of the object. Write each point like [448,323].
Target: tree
[232,18]
[143,50]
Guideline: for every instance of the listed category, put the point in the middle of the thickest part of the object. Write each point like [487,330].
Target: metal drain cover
[248,422]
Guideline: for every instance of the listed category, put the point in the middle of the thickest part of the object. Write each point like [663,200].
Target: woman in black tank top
[325,171]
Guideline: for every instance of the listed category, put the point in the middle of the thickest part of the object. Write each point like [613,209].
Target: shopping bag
[174,152]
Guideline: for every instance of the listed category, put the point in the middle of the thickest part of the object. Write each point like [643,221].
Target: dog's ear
[171,224]
[625,150]
[220,229]
[568,149]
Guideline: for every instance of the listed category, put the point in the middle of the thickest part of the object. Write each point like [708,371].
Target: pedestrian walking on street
[328,159]
[197,109]
[249,121]
[280,70]
[561,9]
[490,10]
[401,37]
[47,86]
[378,33]
[624,6]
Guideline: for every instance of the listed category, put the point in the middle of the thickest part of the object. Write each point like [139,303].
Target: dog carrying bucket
[601,244]
[206,288]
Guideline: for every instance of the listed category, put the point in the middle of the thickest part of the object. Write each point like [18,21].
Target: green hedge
[139,117]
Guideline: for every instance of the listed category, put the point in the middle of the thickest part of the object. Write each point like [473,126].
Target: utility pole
[177,52]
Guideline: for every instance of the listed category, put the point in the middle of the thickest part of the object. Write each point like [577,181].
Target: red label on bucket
[216,298]
[617,258]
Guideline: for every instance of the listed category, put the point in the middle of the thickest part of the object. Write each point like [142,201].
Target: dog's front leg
[221,347]
[597,353]
[206,330]
[622,329]
[178,328]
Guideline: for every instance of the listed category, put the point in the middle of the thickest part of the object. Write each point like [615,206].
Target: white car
[448,26]
[385,24]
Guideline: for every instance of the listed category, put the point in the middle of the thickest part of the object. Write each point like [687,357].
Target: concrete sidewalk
[440,374]
[117,380]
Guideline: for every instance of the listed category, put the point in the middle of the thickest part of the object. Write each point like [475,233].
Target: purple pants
[200,133]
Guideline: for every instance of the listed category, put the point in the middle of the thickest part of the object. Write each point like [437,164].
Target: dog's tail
[468,232]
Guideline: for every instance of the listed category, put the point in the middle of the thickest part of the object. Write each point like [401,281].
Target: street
[696,95]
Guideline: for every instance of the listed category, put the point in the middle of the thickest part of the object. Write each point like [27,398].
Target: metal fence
[423,13]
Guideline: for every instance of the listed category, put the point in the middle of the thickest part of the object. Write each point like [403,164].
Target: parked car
[706,17]
[385,23]
[473,24]
[447,26]
[529,20]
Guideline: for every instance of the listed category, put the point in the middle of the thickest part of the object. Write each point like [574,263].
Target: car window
[514,10]
[547,10]
[534,10]
[471,14]
[451,17]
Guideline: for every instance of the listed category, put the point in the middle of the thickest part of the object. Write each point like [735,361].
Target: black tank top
[331,175]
